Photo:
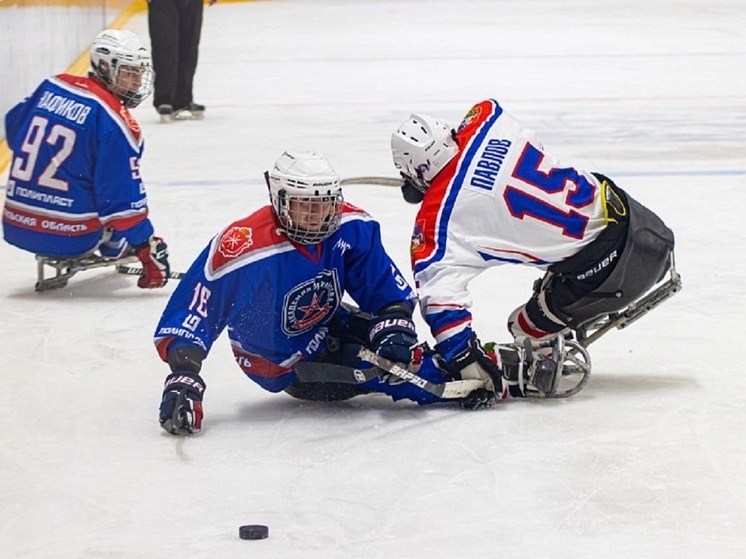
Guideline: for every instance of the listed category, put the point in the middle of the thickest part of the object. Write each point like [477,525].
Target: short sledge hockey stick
[377,181]
[455,389]
[135,271]
[330,372]
[571,364]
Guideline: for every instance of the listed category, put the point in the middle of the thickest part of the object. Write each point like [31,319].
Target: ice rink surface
[648,461]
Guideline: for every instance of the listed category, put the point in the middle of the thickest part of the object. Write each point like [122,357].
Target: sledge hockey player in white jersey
[491,195]
[275,280]
[74,184]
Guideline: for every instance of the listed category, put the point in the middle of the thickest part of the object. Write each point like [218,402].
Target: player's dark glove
[479,399]
[181,406]
[410,191]
[153,254]
[473,363]
[392,334]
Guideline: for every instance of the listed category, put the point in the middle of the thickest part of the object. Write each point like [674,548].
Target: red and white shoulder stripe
[353,213]
[91,89]
[244,242]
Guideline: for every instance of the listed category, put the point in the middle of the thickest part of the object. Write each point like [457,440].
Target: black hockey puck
[253,532]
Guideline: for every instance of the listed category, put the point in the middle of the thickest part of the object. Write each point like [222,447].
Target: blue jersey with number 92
[75,169]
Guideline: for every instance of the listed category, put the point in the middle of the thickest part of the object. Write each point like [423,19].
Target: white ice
[648,461]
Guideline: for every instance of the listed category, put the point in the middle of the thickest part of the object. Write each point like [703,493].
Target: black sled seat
[590,331]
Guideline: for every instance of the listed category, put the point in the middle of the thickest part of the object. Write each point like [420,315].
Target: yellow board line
[4,155]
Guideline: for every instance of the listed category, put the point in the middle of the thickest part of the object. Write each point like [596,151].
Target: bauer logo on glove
[392,334]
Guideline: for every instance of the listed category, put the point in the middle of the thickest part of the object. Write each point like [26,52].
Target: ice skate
[193,111]
[166,112]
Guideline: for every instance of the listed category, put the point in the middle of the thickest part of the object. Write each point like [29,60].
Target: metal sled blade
[572,373]
[65,268]
[591,331]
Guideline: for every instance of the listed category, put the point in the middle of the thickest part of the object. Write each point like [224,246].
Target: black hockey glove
[153,254]
[479,399]
[473,363]
[410,191]
[392,334]
[181,406]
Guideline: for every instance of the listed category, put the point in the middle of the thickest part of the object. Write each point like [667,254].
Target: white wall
[41,40]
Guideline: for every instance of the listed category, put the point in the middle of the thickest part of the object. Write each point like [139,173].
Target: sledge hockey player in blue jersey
[275,280]
[74,184]
[491,195]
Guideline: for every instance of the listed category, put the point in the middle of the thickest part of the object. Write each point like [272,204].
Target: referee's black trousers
[175,27]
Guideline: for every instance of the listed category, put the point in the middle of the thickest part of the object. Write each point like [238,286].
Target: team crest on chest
[470,117]
[311,302]
[235,241]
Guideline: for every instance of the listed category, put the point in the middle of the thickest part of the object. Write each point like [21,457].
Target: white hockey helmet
[123,63]
[421,147]
[306,196]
